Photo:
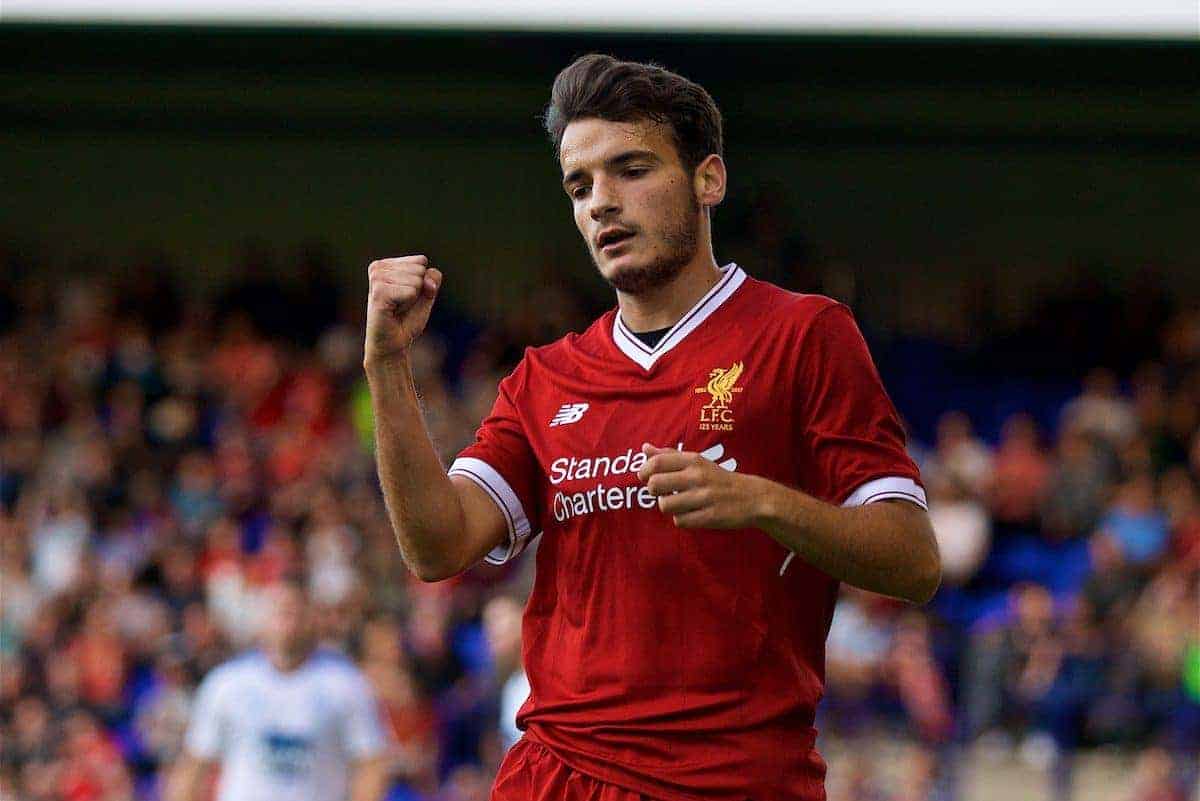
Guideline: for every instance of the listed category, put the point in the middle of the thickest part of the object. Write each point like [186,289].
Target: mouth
[612,240]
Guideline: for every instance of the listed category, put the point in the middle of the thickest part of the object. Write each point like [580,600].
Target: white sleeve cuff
[488,479]
[882,489]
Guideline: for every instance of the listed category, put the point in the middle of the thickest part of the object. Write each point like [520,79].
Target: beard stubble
[681,239]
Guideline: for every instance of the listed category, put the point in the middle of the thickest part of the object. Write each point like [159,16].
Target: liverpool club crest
[716,415]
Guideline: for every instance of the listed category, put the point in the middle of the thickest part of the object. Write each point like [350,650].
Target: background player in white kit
[290,721]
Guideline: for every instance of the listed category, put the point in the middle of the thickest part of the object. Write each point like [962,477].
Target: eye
[579,192]
[634,172]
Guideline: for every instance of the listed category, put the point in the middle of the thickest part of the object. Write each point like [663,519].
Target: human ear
[709,181]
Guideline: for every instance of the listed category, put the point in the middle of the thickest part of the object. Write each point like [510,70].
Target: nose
[603,201]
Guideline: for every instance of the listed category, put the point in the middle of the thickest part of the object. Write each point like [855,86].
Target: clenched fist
[401,295]
[696,493]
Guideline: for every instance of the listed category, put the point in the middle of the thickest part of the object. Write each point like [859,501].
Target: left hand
[699,494]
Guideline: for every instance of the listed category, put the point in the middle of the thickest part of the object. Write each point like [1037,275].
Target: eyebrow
[614,162]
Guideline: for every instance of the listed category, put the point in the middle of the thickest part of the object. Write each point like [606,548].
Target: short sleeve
[503,464]
[364,731]
[206,732]
[852,441]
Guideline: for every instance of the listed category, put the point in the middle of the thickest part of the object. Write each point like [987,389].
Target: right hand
[400,297]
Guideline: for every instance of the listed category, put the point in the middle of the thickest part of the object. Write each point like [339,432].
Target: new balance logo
[569,413]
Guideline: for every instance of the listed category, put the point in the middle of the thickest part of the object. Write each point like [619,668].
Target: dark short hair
[602,87]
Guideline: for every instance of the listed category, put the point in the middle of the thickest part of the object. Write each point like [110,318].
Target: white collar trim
[646,356]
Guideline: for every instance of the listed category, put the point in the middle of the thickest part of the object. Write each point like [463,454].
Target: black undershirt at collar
[651,338]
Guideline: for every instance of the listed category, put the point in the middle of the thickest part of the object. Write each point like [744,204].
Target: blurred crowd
[164,459]
[1069,614]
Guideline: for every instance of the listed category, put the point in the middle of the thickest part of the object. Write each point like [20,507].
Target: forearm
[884,547]
[422,504]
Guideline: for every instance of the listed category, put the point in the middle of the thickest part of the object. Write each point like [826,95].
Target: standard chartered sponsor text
[599,498]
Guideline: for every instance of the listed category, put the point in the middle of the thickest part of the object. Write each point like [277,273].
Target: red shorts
[531,772]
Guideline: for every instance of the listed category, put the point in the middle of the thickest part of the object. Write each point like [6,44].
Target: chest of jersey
[286,722]
[731,404]
[608,553]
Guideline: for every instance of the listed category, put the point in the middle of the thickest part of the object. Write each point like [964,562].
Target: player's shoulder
[238,668]
[336,668]
[776,304]
[568,351]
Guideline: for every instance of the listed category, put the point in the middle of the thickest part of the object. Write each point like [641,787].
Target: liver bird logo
[721,383]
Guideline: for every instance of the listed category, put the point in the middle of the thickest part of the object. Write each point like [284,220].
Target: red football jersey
[684,663]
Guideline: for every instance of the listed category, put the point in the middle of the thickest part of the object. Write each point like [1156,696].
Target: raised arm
[442,525]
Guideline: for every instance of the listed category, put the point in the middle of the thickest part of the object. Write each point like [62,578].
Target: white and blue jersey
[290,735]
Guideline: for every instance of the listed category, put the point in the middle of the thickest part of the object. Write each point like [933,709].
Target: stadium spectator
[960,456]
[1153,780]
[855,650]
[1021,472]
[1100,410]
[1135,522]
[1181,502]
[1009,665]
[1081,478]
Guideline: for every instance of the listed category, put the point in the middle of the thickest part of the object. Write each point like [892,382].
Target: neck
[662,307]
[286,660]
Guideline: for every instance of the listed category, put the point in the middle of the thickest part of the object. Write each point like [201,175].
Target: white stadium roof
[1174,19]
